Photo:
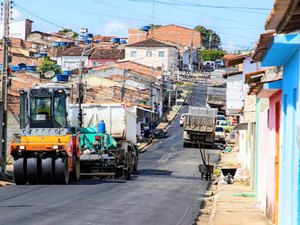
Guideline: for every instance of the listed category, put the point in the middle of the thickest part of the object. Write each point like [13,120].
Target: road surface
[167,190]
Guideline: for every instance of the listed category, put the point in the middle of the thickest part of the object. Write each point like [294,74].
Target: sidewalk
[231,204]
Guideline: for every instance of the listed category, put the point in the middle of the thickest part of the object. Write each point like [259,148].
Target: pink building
[272,91]
[266,85]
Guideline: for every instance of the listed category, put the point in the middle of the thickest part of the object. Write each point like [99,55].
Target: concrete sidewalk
[231,204]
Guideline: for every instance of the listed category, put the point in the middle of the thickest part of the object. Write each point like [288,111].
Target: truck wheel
[20,171]
[185,145]
[75,174]
[61,170]
[48,170]
[34,170]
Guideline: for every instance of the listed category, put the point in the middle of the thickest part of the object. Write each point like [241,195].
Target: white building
[153,53]
[18,29]
[234,93]
[71,57]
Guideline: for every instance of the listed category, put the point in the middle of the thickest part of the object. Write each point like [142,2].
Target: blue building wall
[284,51]
[289,160]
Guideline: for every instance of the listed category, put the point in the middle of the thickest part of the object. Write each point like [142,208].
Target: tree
[48,65]
[66,30]
[210,40]
[211,54]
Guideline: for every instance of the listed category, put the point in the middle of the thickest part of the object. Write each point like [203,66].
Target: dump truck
[107,140]
[46,150]
[199,126]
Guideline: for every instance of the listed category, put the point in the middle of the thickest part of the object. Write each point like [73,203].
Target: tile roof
[20,58]
[112,53]
[133,66]
[113,95]
[265,40]
[76,51]
[284,17]
[234,60]
[103,38]
[23,81]
[150,43]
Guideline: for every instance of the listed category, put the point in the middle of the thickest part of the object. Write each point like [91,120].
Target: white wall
[235,93]
[170,57]
[18,29]
[71,62]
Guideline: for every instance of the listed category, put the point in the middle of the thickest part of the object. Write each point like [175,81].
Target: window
[148,54]
[60,114]
[161,54]
[23,111]
[40,108]
[133,53]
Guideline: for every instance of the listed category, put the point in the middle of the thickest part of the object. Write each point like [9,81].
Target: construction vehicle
[47,149]
[199,126]
[107,140]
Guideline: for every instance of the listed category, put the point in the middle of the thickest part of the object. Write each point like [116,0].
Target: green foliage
[211,55]
[48,65]
[66,30]
[206,35]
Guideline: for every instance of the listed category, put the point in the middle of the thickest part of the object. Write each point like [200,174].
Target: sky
[238,22]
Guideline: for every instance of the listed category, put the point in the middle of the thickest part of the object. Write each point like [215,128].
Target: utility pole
[80,93]
[3,87]
[170,86]
[80,84]
[151,88]
[123,86]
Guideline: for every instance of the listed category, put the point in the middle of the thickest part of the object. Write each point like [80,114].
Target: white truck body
[120,120]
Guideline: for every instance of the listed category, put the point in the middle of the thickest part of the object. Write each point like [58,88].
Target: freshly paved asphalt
[167,190]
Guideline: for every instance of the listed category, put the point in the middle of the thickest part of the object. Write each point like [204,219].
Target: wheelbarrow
[205,169]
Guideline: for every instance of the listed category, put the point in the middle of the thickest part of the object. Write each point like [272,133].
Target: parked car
[220,135]
[220,118]
[181,120]
[227,126]
[219,63]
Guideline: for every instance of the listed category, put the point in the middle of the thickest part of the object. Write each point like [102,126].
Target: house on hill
[153,53]
[188,42]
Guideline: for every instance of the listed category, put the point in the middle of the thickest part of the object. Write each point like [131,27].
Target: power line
[37,16]
[184,3]
[202,14]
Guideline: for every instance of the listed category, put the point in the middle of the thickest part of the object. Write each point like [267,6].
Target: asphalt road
[167,190]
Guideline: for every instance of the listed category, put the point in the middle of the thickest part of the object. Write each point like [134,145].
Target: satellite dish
[69,34]
[49,74]
[34,37]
